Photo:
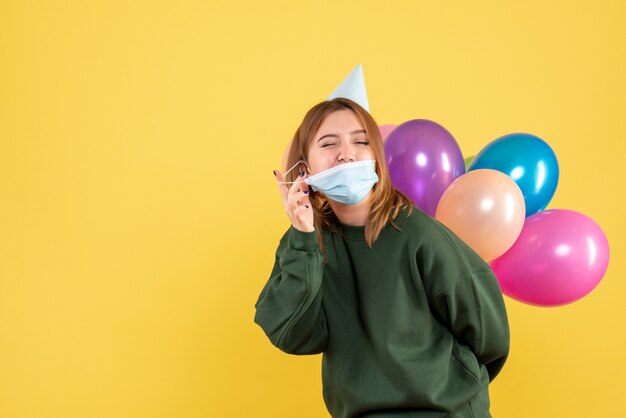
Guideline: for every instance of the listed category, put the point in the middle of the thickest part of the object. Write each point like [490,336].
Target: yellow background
[139,217]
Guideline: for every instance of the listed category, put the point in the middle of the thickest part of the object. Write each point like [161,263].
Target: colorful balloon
[560,256]
[529,161]
[385,130]
[423,159]
[485,208]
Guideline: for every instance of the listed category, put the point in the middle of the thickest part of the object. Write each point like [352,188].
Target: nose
[346,153]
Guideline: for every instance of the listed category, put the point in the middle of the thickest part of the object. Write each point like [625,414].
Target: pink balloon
[385,130]
[560,256]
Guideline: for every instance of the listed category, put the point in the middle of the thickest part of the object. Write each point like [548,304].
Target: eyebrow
[359,131]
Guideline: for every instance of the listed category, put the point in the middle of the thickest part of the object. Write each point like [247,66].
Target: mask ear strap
[287,172]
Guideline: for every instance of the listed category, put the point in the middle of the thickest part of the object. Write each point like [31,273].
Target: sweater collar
[352,232]
[357,233]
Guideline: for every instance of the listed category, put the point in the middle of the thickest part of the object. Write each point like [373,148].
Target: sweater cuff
[303,241]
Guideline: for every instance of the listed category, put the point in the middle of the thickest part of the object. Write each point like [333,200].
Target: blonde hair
[385,197]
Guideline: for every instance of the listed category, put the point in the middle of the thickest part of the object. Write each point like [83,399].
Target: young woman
[410,320]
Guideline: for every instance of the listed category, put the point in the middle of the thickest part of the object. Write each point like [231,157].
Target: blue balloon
[529,161]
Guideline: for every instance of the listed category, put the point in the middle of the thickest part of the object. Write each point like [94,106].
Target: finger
[303,215]
[302,211]
[296,187]
[305,191]
[300,197]
[295,200]
[282,188]
[304,186]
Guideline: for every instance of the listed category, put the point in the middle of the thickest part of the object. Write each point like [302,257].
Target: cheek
[320,161]
[366,154]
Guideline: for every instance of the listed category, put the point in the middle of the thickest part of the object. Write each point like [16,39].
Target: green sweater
[415,326]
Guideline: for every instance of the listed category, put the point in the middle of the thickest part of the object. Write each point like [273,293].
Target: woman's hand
[296,201]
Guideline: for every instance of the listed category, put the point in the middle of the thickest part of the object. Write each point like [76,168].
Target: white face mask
[347,183]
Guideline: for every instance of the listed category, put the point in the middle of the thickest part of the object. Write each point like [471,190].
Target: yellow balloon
[486,209]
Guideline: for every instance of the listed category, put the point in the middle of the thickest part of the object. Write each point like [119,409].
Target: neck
[355,215]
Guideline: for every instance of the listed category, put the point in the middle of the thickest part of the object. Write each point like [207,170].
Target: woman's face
[340,139]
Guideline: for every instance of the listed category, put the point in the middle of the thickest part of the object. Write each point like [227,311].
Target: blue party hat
[353,88]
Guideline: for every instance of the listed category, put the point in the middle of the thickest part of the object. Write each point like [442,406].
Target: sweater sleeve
[289,308]
[467,298]
[474,312]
